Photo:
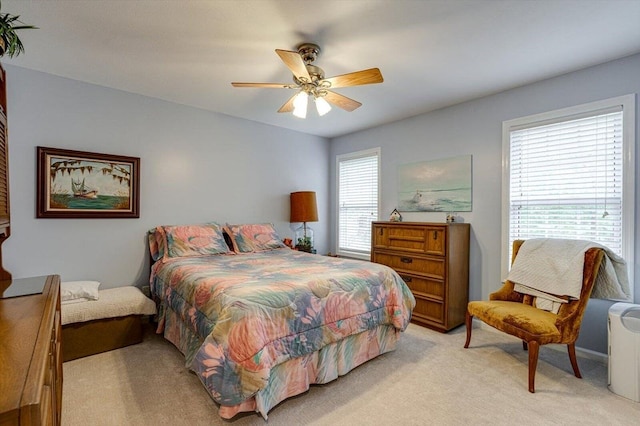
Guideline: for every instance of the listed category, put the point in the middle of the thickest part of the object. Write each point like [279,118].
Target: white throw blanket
[550,268]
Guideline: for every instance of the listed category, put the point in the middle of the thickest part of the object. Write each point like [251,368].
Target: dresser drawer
[429,309]
[435,242]
[434,267]
[411,238]
[423,285]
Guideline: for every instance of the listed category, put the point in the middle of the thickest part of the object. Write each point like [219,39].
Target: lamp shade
[322,106]
[303,207]
[300,104]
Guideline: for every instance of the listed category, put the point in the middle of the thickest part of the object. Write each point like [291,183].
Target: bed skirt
[294,376]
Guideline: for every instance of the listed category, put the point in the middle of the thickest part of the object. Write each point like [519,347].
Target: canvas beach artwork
[85,185]
[442,185]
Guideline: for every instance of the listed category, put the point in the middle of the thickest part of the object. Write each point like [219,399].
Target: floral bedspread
[255,311]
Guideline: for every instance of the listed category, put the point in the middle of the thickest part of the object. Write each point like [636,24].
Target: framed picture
[442,185]
[76,184]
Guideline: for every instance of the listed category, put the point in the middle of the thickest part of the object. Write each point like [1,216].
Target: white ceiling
[431,53]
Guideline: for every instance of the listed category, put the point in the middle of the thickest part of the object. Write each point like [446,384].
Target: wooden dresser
[30,355]
[433,259]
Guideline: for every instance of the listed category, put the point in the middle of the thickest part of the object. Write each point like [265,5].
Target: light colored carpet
[429,379]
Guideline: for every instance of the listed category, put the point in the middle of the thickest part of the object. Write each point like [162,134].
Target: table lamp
[304,209]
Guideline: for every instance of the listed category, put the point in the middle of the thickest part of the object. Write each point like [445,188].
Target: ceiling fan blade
[288,106]
[341,101]
[267,85]
[294,62]
[358,78]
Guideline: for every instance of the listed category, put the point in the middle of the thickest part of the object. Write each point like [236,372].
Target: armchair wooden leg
[533,363]
[468,321]
[574,361]
[524,345]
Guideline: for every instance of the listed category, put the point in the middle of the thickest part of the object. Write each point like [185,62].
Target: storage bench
[111,322]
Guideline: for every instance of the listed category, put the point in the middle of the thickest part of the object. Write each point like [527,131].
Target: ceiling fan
[309,81]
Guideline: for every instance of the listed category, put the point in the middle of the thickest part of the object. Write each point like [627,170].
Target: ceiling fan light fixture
[300,104]
[309,80]
[322,106]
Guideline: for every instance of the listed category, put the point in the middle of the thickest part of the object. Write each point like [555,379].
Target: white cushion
[112,303]
[73,291]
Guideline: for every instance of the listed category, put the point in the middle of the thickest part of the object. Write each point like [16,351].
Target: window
[358,176]
[570,174]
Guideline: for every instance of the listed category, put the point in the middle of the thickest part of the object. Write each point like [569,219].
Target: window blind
[566,180]
[357,201]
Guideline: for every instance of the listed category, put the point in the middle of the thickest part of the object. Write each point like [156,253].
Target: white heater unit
[624,350]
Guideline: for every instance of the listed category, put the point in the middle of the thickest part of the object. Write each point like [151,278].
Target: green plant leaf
[12,44]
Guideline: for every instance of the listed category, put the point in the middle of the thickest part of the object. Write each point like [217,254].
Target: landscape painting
[87,185]
[442,185]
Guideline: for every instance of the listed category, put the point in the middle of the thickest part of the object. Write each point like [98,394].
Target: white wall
[475,128]
[195,166]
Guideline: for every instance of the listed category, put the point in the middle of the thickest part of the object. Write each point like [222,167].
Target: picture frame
[78,184]
[441,185]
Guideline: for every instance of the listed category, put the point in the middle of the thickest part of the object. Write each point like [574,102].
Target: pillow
[194,240]
[254,237]
[75,291]
[156,243]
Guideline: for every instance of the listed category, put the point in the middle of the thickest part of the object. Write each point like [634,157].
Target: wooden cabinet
[433,259]
[5,222]
[30,353]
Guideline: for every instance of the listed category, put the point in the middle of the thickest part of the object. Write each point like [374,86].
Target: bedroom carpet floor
[429,380]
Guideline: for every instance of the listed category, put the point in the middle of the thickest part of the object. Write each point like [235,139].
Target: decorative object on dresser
[304,209]
[395,216]
[31,367]
[76,184]
[433,259]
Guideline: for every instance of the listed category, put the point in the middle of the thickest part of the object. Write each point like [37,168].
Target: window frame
[377,152]
[628,175]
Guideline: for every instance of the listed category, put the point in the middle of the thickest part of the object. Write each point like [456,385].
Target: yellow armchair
[514,313]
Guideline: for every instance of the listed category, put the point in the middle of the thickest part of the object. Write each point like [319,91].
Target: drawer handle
[435,235]
[406,279]
[406,260]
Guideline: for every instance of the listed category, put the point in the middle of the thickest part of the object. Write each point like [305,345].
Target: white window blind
[570,173]
[566,180]
[358,183]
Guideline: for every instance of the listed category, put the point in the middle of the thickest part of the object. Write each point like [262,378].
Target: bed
[258,322]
